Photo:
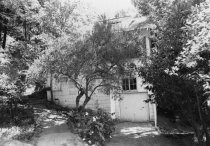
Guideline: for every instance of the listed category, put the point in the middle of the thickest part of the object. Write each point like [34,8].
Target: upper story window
[129,84]
[152,43]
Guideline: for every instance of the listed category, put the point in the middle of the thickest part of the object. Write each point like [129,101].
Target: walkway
[54,131]
[141,134]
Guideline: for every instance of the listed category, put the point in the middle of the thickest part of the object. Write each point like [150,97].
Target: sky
[109,7]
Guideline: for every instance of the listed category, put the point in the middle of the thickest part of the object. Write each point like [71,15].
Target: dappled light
[15,132]
[136,130]
[104,72]
[50,118]
[140,131]
[151,133]
[143,134]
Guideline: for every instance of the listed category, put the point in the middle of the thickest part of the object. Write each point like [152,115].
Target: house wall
[64,93]
[116,108]
[141,88]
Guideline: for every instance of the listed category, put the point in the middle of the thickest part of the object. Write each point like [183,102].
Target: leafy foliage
[195,55]
[177,88]
[94,127]
[194,58]
[94,62]
[12,113]
[170,39]
[18,20]
[61,25]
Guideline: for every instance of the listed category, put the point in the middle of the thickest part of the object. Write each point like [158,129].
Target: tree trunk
[25,30]
[41,2]
[207,137]
[87,99]
[204,126]
[51,86]
[205,130]
[4,38]
[0,33]
[81,93]
[200,136]
[29,31]
[198,130]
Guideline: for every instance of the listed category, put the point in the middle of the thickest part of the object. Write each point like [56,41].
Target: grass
[17,121]
[23,133]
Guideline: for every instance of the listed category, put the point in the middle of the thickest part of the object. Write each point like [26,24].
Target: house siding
[151,111]
[64,93]
[115,108]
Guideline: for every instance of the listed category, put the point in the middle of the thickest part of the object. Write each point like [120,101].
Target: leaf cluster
[171,91]
[94,127]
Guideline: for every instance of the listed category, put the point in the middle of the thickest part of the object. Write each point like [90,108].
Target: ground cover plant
[178,70]
[17,120]
[94,127]
[13,113]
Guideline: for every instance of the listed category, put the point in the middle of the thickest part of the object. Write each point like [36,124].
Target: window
[129,84]
[152,43]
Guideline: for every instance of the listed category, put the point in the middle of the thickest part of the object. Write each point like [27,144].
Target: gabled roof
[131,23]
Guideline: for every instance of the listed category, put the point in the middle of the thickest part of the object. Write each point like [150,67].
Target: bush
[94,127]
[41,94]
[53,106]
[13,113]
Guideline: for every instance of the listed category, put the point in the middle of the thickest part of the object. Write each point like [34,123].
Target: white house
[131,106]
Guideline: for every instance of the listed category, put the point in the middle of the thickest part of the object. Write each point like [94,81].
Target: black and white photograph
[104,72]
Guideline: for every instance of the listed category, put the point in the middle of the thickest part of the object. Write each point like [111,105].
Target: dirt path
[53,130]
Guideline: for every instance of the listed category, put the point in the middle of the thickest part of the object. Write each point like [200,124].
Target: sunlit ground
[144,134]
[15,132]
[44,118]
[49,118]
[136,130]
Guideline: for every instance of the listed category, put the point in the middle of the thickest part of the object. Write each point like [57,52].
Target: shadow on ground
[49,118]
[143,134]
[53,130]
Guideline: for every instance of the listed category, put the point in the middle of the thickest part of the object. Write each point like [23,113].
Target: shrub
[53,106]
[13,113]
[94,127]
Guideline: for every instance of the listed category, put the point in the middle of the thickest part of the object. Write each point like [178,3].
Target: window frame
[129,84]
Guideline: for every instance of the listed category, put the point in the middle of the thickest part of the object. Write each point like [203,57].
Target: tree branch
[100,85]
[78,85]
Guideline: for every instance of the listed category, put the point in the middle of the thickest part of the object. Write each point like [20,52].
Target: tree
[60,25]
[169,41]
[194,58]
[195,54]
[18,20]
[174,90]
[95,62]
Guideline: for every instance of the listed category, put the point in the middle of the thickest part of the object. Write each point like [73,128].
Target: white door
[133,107]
